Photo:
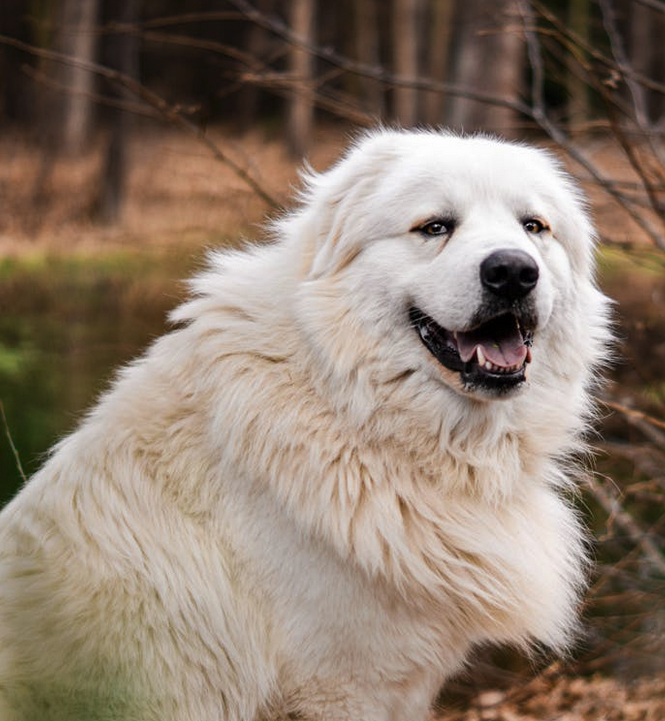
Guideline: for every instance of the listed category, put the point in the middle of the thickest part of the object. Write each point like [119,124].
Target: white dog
[342,471]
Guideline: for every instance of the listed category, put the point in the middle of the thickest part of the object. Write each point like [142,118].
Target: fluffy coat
[287,506]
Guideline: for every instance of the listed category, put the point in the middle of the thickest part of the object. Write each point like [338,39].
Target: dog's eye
[534,225]
[437,227]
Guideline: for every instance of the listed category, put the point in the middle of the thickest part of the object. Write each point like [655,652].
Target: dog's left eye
[436,227]
[533,225]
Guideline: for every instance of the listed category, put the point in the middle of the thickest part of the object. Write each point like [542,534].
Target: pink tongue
[504,351]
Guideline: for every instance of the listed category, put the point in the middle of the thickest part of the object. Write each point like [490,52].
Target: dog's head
[466,259]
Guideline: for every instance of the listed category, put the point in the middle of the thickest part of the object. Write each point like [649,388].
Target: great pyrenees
[345,467]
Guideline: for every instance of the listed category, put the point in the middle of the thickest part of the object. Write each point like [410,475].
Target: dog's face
[453,255]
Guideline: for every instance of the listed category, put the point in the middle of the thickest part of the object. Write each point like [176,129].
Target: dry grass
[178,193]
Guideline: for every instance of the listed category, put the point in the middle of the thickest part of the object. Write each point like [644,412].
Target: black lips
[443,344]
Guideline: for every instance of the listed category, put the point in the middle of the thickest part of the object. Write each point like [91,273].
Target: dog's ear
[574,226]
[331,222]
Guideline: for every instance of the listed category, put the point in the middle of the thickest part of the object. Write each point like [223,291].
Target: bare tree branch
[539,114]
[626,70]
[654,4]
[379,73]
[258,73]
[646,423]
[130,107]
[11,444]
[622,518]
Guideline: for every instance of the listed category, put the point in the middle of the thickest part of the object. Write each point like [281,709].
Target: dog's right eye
[436,227]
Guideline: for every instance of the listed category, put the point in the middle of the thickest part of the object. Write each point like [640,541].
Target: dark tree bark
[439,40]
[77,38]
[258,45]
[13,96]
[578,87]
[646,52]
[489,58]
[301,68]
[406,44]
[123,51]
[368,51]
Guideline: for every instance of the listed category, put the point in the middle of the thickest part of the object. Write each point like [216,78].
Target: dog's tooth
[489,366]
[481,356]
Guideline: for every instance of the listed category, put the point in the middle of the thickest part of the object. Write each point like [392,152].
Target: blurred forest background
[136,133]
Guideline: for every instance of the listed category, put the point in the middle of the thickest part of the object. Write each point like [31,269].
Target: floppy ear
[331,221]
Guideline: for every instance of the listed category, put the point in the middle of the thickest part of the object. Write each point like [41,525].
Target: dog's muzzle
[493,351]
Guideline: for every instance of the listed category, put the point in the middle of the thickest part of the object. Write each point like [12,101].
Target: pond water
[65,325]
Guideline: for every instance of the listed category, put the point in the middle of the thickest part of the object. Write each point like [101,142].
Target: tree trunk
[123,50]
[368,51]
[646,52]
[76,37]
[578,87]
[12,80]
[439,56]
[301,67]
[490,60]
[509,76]
[258,45]
[406,42]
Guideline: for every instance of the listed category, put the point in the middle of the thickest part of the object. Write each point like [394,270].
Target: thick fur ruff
[289,506]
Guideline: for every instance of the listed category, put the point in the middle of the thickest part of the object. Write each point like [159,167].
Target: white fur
[286,506]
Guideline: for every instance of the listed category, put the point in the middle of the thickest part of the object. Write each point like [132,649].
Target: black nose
[510,274]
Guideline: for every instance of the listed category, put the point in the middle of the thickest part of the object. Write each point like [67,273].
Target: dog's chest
[332,610]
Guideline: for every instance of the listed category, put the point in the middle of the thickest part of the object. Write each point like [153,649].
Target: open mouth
[494,354]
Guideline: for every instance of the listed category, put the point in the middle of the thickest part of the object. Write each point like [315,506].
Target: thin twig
[649,461]
[626,70]
[625,521]
[624,67]
[646,423]
[47,81]
[283,85]
[593,51]
[638,165]
[561,139]
[11,444]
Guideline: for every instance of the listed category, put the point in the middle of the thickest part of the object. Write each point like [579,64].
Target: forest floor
[561,697]
[180,200]
[178,194]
